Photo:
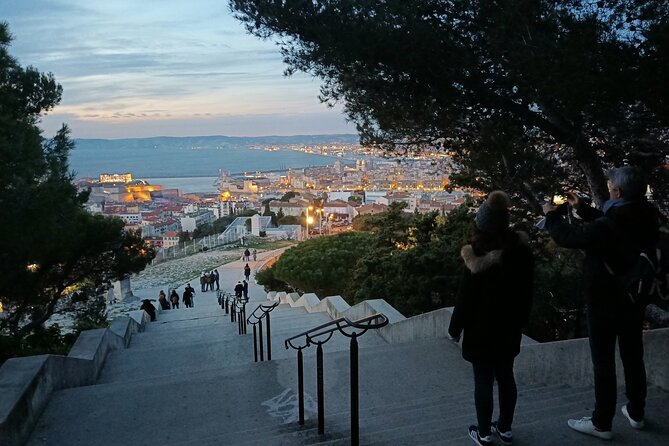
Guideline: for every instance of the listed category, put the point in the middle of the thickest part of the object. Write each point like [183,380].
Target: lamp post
[309,219]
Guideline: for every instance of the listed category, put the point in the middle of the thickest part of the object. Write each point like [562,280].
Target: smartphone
[559,199]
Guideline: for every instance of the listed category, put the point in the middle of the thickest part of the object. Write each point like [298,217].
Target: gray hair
[630,180]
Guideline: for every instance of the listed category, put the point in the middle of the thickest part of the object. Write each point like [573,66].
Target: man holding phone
[611,314]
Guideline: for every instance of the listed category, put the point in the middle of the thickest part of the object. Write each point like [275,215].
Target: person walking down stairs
[247,272]
[493,305]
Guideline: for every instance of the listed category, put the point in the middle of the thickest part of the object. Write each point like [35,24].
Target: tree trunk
[592,168]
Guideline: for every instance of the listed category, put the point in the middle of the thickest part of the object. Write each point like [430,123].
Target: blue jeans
[605,325]
[485,373]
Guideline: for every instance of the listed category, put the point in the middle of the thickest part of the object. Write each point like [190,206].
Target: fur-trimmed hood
[477,264]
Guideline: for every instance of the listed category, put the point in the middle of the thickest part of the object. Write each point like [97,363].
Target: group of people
[173,301]
[242,289]
[209,279]
[495,298]
[246,256]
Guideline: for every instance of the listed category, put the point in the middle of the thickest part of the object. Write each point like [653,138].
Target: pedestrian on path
[247,271]
[493,304]
[192,294]
[612,239]
[188,298]
[162,299]
[239,290]
[255,254]
[174,298]
[246,289]
[202,282]
[247,255]
[148,307]
[216,278]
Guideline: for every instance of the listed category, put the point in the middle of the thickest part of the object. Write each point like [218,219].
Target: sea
[192,164]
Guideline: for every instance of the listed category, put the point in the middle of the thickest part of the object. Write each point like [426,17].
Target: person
[149,308]
[174,298]
[239,290]
[207,281]
[202,282]
[255,254]
[613,237]
[247,255]
[247,271]
[216,277]
[493,305]
[111,298]
[188,298]
[246,289]
[192,294]
[162,299]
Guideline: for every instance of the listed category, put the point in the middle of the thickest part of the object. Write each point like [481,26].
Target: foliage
[415,264]
[367,222]
[323,265]
[531,96]
[289,220]
[267,278]
[558,311]
[288,195]
[50,244]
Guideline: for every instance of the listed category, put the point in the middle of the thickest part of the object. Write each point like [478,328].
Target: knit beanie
[493,215]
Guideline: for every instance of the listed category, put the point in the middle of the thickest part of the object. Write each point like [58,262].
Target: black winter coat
[494,300]
[636,225]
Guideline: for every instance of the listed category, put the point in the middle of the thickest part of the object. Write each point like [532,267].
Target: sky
[139,68]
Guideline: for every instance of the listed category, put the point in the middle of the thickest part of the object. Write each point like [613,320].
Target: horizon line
[223,136]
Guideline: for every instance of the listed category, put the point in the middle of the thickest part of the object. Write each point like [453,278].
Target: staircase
[190,379]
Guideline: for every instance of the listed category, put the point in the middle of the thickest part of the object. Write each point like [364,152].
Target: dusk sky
[136,68]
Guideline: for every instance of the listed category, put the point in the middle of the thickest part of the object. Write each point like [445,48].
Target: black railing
[240,313]
[255,319]
[319,336]
[236,307]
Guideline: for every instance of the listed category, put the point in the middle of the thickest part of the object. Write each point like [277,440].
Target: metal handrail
[265,309]
[238,313]
[326,331]
[257,330]
[340,324]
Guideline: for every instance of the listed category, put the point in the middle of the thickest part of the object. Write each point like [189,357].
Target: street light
[309,219]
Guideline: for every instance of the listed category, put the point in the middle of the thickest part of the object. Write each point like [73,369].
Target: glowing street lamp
[309,220]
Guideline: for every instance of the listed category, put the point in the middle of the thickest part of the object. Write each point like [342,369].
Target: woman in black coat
[493,305]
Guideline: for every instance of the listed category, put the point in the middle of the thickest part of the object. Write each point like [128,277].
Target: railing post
[255,344]
[320,391]
[269,339]
[355,394]
[244,318]
[300,384]
[261,341]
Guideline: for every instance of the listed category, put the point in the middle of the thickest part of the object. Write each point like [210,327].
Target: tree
[531,96]
[323,265]
[288,195]
[50,245]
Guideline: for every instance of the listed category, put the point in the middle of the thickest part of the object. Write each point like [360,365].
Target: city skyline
[163,68]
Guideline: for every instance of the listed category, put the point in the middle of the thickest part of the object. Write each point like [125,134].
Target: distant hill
[219,141]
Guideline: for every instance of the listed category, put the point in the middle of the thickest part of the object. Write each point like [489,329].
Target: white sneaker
[633,423]
[585,426]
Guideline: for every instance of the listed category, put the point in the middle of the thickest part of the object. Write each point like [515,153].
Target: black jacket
[617,242]
[494,300]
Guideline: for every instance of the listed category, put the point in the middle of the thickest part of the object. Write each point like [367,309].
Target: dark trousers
[485,373]
[604,327]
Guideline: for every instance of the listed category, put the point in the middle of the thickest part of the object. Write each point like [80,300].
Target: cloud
[123,61]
